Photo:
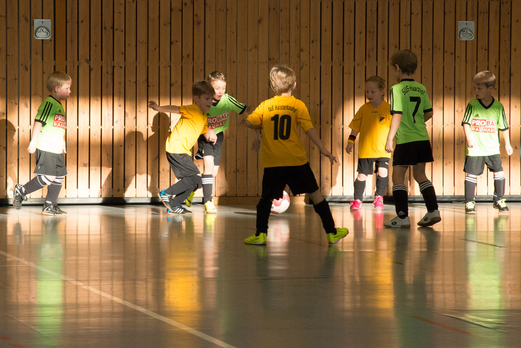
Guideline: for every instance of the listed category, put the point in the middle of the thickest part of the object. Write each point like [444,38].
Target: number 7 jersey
[409,98]
[280,118]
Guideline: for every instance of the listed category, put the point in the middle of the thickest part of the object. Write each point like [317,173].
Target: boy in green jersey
[410,108]
[484,117]
[48,141]
[210,144]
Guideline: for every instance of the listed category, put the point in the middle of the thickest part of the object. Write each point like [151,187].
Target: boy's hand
[470,142]
[210,136]
[32,147]
[349,148]
[389,145]
[153,105]
[509,149]
[329,155]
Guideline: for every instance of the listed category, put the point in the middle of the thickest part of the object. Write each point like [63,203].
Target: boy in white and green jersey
[484,118]
[411,108]
[210,144]
[48,142]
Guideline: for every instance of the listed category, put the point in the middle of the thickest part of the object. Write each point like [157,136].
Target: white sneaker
[398,222]
[430,219]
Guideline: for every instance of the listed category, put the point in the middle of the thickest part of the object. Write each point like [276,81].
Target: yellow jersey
[280,118]
[373,126]
[191,125]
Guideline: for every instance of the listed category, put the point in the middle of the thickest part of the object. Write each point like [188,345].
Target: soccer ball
[279,206]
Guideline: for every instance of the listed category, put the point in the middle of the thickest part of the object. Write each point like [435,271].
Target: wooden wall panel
[122,53]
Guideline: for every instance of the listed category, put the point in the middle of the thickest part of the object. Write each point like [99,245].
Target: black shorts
[474,165]
[182,165]
[411,154]
[300,179]
[366,165]
[48,163]
[209,149]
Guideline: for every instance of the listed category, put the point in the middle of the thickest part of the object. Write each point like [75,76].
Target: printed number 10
[281,130]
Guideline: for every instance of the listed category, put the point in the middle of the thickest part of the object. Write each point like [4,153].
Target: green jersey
[219,113]
[409,98]
[54,122]
[485,122]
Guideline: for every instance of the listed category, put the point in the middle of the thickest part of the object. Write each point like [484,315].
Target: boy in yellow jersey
[283,156]
[192,123]
[372,121]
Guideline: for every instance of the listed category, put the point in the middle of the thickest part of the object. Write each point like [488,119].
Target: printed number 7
[418,101]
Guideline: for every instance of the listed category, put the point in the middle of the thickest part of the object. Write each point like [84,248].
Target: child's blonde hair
[216,75]
[406,61]
[380,82]
[282,79]
[57,79]
[202,88]
[485,78]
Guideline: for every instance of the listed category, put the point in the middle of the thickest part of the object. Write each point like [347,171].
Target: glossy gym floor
[134,276]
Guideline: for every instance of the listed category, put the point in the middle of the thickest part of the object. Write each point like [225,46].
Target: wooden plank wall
[121,53]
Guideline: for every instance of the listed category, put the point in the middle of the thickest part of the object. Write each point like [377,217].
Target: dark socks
[359,189]
[470,188]
[400,201]
[54,190]
[207,187]
[429,196]
[36,183]
[499,187]
[322,209]
[263,215]
[381,185]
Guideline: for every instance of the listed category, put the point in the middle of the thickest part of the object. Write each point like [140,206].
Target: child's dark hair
[216,75]
[485,78]
[406,61]
[57,79]
[202,88]
[380,82]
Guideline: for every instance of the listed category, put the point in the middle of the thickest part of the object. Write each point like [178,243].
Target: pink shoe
[378,202]
[356,205]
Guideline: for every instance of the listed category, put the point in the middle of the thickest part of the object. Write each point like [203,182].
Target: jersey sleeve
[235,105]
[44,113]
[356,122]
[396,101]
[303,118]
[184,111]
[502,122]
[427,106]
[255,118]
[468,115]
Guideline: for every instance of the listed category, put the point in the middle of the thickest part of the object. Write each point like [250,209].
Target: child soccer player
[283,156]
[190,125]
[210,144]
[484,116]
[372,121]
[410,108]
[48,141]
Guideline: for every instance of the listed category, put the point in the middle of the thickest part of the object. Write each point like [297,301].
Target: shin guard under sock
[207,187]
[36,183]
[381,185]
[54,190]
[359,189]
[429,196]
[499,187]
[470,188]
[400,201]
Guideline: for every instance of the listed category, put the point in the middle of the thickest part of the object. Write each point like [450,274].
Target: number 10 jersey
[280,118]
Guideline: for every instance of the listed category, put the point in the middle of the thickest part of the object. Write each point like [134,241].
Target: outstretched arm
[165,108]
[312,134]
